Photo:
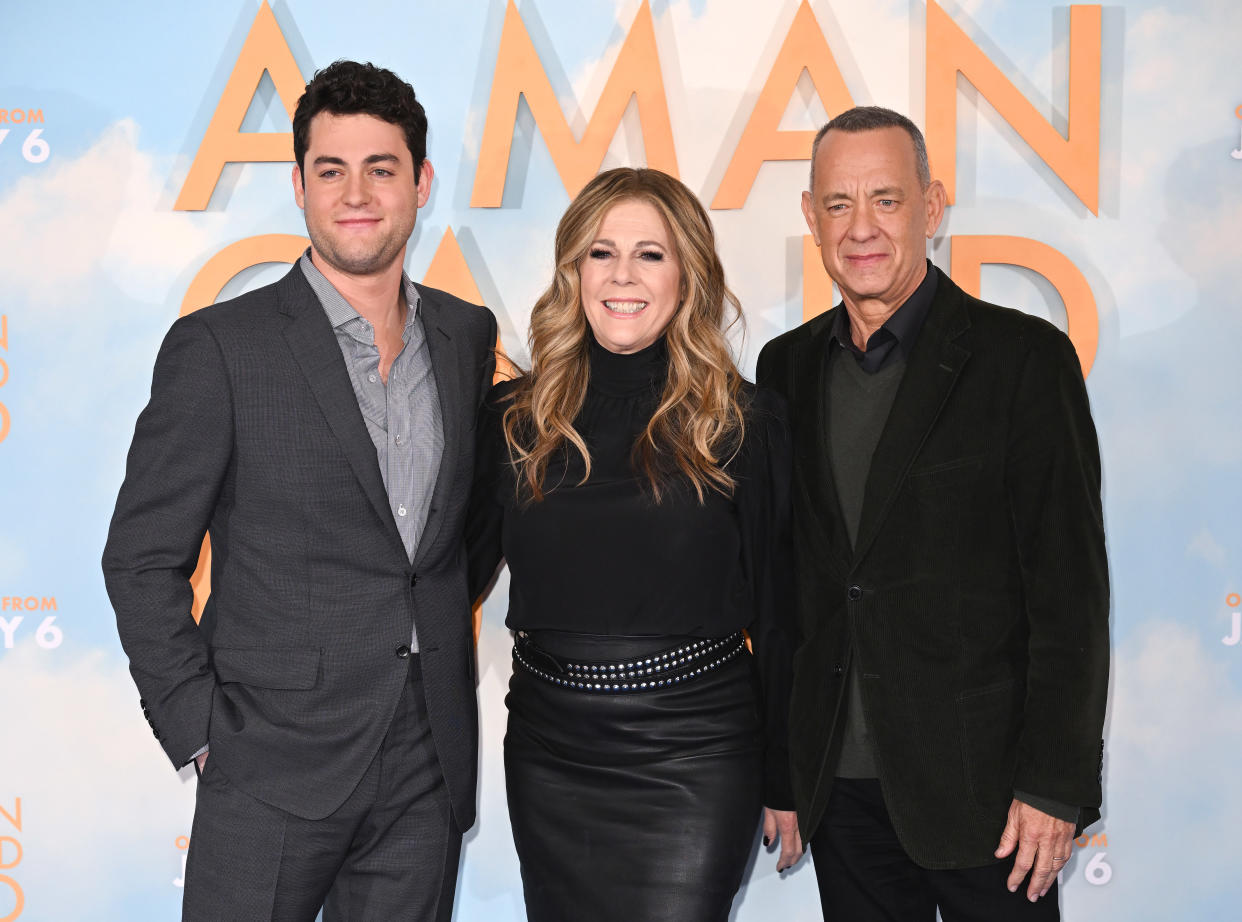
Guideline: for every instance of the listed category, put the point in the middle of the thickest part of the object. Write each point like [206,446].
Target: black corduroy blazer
[974,605]
[253,432]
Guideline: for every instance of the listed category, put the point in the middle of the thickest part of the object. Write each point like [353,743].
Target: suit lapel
[813,439]
[314,348]
[931,372]
[446,366]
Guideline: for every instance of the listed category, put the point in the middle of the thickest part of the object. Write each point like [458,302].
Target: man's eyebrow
[374,158]
[884,191]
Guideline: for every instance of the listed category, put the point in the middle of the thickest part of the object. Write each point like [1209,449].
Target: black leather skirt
[638,804]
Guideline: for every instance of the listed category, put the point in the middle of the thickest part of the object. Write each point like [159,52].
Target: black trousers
[390,852]
[864,874]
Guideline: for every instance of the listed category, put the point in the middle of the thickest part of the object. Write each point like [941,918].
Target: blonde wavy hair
[698,423]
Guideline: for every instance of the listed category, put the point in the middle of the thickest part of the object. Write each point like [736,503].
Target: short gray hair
[870,118]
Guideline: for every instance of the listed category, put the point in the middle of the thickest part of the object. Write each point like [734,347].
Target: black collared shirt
[897,335]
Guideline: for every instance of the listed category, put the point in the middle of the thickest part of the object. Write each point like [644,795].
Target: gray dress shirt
[402,417]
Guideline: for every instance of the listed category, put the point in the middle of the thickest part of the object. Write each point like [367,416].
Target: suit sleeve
[486,513]
[765,370]
[177,465]
[763,500]
[1053,488]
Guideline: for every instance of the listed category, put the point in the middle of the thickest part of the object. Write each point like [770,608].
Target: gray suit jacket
[253,432]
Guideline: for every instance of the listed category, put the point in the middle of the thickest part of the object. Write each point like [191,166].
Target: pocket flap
[267,667]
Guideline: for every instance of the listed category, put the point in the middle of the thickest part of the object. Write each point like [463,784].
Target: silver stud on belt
[642,674]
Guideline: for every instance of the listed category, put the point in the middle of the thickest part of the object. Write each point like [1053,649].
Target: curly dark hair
[350,88]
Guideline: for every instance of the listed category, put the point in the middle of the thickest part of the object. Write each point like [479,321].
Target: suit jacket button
[413,579]
[838,669]
[403,651]
[854,593]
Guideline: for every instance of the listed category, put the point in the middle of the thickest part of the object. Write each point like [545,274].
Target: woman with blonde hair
[638,488]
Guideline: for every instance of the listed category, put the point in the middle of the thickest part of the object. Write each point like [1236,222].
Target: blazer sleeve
[1053,489]
[175,472]
[763,501]
[485,517]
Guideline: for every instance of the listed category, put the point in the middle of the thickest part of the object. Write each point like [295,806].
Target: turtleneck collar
[618,374]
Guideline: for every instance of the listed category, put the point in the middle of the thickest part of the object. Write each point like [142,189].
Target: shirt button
[371,378]
[399,439]
[854,593]
[403,652]
[401,510]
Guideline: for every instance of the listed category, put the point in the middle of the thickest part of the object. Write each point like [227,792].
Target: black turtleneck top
[604,558]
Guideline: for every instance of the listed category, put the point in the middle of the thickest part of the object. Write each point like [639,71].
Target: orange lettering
[805,49]
[200,580]
[16,861]
[519,72]
[450,272]
[817,288]
[221,268]
[17,809]
[4,422]
[1096,841]
[969,253]
[19,897]
[265,49]
[1075,158]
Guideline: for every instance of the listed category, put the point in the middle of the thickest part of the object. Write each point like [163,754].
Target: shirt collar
[340,311]
[897,335]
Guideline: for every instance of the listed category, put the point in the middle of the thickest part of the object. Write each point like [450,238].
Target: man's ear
[808,212]
[936,199]
[422,179]
[299,187]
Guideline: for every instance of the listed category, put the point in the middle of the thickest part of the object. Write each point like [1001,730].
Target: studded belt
[645,673]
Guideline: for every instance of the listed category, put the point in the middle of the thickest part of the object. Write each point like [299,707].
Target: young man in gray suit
[321,429]
[952,586]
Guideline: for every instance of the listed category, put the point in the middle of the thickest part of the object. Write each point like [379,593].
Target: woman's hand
[782,826]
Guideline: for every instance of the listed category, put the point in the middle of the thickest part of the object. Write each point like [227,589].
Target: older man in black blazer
[952,588]
[322,429]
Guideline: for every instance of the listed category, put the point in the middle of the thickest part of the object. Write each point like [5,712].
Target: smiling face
[630,278]
[870,216]
[359,192]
